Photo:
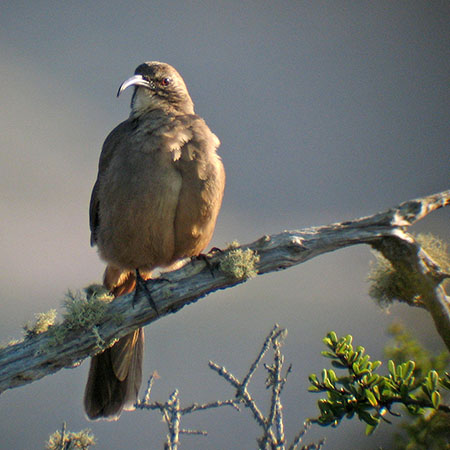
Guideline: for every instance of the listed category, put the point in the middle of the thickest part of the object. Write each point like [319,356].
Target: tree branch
[38,356]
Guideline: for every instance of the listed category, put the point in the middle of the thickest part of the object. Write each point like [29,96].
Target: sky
[326,111]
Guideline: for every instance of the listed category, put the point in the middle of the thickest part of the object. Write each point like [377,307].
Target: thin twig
[172,412]
[244,395]
[272,425]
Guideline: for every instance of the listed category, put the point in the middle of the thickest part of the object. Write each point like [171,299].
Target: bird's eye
[166,81]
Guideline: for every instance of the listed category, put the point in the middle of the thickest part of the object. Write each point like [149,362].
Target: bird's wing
[200,197]
[109,147]
[93,213]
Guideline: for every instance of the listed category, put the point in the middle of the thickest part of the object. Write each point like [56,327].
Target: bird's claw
[142,286]
[207,261]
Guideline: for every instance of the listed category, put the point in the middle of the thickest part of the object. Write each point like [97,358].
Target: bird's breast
[139,199]
[160,195]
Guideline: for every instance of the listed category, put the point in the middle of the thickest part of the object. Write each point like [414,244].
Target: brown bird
[156,199]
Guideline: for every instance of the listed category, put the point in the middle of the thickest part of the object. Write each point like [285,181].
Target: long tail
[115,375]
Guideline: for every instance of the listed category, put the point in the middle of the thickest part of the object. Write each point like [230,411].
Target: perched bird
[156,199]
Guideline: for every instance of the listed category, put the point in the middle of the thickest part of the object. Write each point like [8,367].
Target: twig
[298,439]
[241,393]
[172,413]
[274,380]
[273,427]
[275,331]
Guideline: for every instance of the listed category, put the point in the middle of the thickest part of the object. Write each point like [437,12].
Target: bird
[155,202]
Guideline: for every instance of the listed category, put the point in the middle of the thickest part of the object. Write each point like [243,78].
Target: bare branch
[275,331]
[243,394]
[298,439]
[38,356]
[272,425]
[172,413]
[276,382]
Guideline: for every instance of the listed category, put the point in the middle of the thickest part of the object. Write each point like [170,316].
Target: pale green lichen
[389,284]
[100,343]
[70,440]
[83,311]
[42,322]
[240,264]
[436,248]
[233,244]
[98,292]
[10,343]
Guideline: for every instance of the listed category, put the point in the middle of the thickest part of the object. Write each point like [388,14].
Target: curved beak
[136,80]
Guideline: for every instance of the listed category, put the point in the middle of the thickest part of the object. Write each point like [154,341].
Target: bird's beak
[136,80]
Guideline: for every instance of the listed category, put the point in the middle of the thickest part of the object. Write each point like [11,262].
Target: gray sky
[326,111]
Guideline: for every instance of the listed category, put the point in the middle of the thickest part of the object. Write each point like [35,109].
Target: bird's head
[158,85]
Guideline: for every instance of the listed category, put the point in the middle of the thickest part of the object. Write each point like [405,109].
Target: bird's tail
[115,375]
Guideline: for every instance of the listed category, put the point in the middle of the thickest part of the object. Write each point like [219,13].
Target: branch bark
[37,357]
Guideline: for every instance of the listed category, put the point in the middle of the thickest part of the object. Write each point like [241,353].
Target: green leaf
[436,399]
[328,354]
[332,376]
[376,364]
[373,379]
[314,389]
[386,393]
[391,368]
[332,335]
[434,378]
[355,368]
[341,348]
[338,364]
[370,429]
[313,378]
[323,406]
[376,392]
[416,410]
[364,363]
[351,357]
[371,398]
[368,418]
[409,369]
[388,384]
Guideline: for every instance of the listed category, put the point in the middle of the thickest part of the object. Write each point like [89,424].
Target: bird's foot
[207,261]
[141,286]
[215,250]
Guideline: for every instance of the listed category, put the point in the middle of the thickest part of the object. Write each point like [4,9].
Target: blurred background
[326,111]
